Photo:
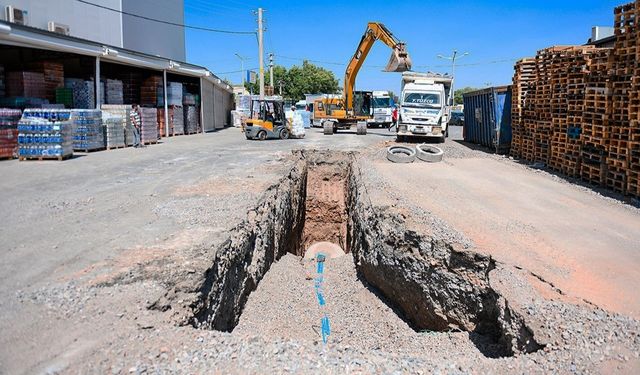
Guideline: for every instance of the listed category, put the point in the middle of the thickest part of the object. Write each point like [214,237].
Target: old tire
[401,154]
[327,127]
[284,134]
[262,135]
[429,153]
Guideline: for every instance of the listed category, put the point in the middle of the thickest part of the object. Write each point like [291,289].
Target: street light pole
[242,68]
[453,59]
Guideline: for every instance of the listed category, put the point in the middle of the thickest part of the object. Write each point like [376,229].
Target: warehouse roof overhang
[25,36]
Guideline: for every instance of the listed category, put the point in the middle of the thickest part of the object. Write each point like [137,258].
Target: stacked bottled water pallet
[88,130]
[45,134]
[123,114]
[114,131]
[9,132]
[149,128]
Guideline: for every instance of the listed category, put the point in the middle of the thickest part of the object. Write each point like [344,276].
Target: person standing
[394,117]
[137,124]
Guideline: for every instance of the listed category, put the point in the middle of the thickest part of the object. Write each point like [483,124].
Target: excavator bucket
[399,60]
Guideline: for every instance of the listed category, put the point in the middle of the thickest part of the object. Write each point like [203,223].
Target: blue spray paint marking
[324,322]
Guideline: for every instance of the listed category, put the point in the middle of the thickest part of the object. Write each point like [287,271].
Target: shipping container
[487,118]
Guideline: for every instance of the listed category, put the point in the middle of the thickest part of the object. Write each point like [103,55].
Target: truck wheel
[428,153]
[284,134]
[262,135]
[328,128]
[401,154]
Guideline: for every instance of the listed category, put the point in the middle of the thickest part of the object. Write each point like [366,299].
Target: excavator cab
[267,121]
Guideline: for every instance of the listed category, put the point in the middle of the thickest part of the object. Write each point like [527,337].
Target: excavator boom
[398,62]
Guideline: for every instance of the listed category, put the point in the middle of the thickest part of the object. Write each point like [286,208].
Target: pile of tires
[424,152]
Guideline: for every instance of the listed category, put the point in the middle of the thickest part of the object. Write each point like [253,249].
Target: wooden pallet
[146,143]
[116,147]
[45,158]
[89,150]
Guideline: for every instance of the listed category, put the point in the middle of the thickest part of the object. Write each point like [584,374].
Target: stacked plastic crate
[45,134]
[9,119]
[83,94]
[88,130]
[151,91]
[25,84]
[114,91]
[176,121]
[2,82]
[149,126]
[123,114]
[191,119]
[53,73]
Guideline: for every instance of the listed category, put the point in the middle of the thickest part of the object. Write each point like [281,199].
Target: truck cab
[382,110]
[425,106]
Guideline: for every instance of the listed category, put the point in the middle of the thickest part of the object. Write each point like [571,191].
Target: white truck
[382,110]
[425,106]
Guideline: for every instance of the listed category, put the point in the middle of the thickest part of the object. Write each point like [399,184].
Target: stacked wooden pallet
[525,75]
[595,119]
[579,114]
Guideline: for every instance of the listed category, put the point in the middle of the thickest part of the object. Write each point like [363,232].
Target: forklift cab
[268,120]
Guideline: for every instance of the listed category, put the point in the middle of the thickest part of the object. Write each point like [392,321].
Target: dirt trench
[430,283]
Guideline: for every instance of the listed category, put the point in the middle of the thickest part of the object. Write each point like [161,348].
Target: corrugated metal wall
[219,107]
[207,103]
[226,104]
[487,117]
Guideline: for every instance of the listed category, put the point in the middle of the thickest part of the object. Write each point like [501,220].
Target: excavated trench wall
[434,285]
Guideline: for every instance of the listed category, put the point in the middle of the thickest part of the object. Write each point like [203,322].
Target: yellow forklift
[267,120]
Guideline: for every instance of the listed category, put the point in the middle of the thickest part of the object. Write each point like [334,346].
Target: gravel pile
[285,307]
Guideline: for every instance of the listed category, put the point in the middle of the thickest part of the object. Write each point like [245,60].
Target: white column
[166,104]
[97,83]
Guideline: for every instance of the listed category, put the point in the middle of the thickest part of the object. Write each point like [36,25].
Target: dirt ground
[90,243]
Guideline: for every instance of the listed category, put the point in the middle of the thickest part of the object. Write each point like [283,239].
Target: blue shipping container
[487,118]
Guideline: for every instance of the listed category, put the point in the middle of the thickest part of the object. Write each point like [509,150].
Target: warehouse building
[47,47]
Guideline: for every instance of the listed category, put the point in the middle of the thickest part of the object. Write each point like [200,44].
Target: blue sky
[329,31]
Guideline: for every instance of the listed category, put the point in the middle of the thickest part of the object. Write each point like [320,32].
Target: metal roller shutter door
[219,107]
[208,118]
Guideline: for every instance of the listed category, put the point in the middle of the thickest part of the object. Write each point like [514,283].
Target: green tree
[300,80]
[457,98]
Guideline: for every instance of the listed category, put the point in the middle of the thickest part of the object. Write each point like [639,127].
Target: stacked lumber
[576,109]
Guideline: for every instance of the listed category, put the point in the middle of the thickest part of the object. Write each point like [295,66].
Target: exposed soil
[325,206]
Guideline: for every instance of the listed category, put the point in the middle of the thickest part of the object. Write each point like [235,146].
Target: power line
[234,71]
[167,22]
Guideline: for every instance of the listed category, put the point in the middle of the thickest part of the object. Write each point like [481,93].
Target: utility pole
[453,59]
[242,68]
[271,70]
[261,53]
[280,82]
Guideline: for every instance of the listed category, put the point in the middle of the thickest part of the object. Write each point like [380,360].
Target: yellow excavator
[355,107]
